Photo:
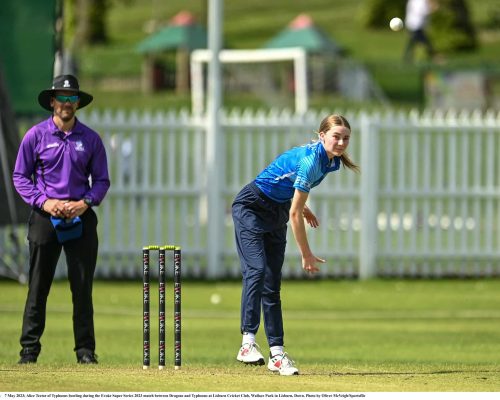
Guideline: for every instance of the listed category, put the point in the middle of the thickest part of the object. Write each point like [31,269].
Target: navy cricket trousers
[260,228]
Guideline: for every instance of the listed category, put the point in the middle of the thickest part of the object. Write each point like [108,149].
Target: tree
[451,28]
[376,14]
[87,21]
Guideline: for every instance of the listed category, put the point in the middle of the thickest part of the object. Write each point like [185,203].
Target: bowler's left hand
[310,217]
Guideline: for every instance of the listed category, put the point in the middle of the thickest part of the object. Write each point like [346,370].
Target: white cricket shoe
[250,354]
[283,364]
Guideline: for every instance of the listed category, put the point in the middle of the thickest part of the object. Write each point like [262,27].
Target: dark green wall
[27,50]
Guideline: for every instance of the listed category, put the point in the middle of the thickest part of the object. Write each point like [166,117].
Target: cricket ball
[396,24]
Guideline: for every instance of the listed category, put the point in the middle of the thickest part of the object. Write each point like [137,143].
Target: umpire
[61,172]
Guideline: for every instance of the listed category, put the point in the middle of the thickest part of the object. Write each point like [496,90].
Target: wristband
[88,201]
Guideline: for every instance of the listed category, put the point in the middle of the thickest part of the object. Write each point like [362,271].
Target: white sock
[275,350]
[248,338]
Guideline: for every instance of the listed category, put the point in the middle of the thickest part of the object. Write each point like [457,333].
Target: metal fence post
[369,183]
[215,167]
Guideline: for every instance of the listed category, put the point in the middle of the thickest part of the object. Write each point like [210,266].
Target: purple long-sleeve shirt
[55,165]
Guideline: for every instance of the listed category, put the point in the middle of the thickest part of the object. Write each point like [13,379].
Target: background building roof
[182,32]
[302,32]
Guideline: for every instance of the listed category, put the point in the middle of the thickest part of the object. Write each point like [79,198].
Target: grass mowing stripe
[297,315]
[240,378]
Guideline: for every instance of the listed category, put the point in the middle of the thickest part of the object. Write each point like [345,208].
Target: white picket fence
[426,204]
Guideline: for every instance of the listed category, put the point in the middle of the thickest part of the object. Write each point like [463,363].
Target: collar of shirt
[54,129]
[328,165]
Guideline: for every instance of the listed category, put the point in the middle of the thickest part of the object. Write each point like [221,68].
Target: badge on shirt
[79,146]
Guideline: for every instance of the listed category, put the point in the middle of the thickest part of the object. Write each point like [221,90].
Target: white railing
[427,202]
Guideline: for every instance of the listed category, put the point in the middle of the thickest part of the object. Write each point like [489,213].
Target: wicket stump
[146,355]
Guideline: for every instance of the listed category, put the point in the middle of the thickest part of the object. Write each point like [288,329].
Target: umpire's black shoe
[87,358]
[27,358]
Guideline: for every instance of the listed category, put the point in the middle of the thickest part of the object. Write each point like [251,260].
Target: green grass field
[346,336]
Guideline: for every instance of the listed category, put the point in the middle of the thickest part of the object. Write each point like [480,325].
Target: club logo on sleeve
[301,182]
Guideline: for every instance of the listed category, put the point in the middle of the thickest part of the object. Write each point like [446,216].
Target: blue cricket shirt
[301,168]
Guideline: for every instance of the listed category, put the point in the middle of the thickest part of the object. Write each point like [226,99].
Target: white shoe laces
[252,347]
[286,361]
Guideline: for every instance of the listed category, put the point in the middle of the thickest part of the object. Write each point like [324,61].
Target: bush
[451,28]
[376,14]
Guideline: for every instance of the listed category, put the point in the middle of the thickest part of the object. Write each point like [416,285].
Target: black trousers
[418,36]
[81,257]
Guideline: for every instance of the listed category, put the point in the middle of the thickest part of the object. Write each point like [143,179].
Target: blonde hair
[338,120]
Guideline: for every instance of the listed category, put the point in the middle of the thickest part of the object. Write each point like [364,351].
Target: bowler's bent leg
[271,296]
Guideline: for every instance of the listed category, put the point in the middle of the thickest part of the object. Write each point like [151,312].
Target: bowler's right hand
[309,263]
